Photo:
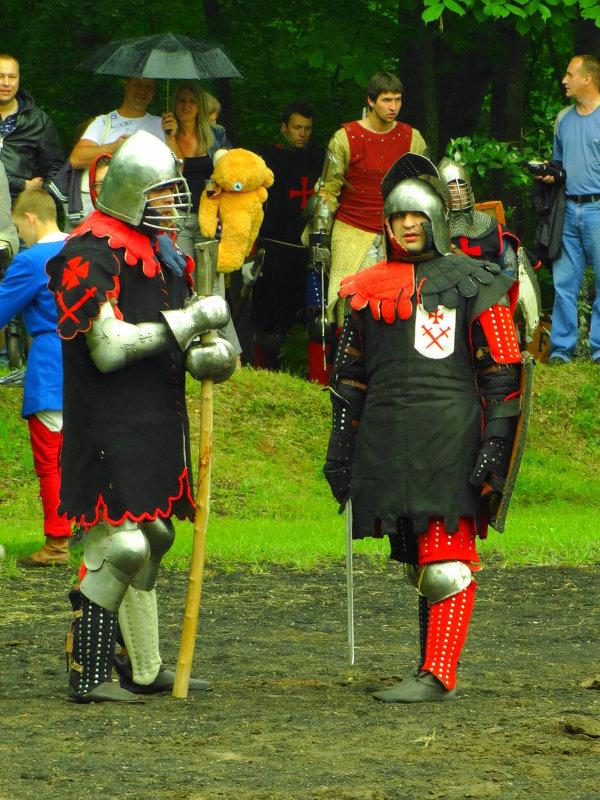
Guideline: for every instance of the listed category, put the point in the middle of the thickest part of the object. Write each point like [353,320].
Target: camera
[543,168]
[538,167]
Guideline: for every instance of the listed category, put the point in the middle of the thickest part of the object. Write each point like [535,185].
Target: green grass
[271,504]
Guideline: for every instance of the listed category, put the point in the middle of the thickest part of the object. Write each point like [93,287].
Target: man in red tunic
[363,151]
[425,396]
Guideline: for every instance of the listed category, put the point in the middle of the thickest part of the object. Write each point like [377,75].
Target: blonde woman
[195,141]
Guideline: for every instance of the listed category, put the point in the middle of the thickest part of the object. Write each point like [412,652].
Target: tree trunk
[586,37]
[431,128]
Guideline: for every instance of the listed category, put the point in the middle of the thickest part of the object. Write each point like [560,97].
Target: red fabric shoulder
[119,234]
[386,287]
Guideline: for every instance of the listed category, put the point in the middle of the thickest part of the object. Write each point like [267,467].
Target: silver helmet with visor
[412,184]
[143,166]
[457,179]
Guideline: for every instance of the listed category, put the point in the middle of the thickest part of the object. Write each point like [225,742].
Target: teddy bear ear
[218,155]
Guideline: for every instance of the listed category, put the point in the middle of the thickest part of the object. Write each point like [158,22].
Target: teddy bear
[243,178]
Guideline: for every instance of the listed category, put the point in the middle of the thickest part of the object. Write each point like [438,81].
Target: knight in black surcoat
[425,390]
[279,298]
[129,326]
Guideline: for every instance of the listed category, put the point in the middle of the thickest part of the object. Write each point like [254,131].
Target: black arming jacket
[33,148]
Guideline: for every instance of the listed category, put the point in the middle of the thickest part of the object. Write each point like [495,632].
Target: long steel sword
[349,582]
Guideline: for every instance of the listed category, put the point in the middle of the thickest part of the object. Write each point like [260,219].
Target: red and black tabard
[126,447]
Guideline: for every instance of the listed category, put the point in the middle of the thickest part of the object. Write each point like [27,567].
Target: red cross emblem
[305,192]
[73,271]
[470,251]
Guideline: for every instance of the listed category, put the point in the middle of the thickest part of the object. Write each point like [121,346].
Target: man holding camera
[576,137]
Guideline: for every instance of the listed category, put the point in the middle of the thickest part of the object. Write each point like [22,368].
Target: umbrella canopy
[165,55]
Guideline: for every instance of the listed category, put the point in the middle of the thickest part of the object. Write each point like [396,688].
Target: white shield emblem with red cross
[434,331]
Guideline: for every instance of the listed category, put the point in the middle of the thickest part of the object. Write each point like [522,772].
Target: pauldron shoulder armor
[443,280]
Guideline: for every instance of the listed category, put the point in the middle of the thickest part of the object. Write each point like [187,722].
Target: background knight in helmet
[481,236]
[474,232]
[425,394]
[129,327]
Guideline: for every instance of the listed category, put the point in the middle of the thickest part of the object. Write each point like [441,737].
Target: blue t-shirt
[577,146]
[24,289]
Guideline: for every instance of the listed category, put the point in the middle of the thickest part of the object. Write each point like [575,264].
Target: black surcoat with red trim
[126,447]
[420,426]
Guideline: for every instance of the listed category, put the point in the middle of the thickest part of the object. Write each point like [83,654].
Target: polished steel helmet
[420,195]
[456,177]
[141,164]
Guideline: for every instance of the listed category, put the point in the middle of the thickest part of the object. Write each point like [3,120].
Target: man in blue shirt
[577,147]
[24,290]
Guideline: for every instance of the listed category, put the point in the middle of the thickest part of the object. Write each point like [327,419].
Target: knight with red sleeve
[129,326]
[425,390]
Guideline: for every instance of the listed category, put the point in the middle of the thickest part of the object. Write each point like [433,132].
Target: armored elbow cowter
[114,343]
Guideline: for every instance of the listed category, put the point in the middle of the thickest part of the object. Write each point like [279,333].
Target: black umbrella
[165,55]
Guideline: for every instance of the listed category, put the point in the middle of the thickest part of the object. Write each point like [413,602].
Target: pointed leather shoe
[106,692]
[162,683]
[423,688]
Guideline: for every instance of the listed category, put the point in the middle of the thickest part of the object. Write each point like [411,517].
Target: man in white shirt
[107,131]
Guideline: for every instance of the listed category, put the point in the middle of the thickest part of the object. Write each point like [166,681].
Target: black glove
[315,328]
[446,282]
[338,478]
[338,465]
[492,464]
[168,254]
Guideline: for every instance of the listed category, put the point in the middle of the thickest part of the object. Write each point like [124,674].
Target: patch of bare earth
[288,719]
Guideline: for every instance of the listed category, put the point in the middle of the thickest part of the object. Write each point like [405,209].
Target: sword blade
[349,582]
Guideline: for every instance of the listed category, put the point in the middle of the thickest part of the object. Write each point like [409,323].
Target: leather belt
[584,198]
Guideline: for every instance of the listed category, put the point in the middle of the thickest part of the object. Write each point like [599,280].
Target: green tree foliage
[482,69]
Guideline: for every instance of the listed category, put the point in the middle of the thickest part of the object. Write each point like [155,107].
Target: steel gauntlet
[200,315]
[214,360]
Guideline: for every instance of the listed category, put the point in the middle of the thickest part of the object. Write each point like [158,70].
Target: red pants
[45,445]
[316,370]
[448,619]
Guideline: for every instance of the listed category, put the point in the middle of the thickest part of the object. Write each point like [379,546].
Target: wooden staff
[205,273]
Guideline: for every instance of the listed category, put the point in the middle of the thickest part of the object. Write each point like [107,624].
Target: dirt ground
[289,719]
